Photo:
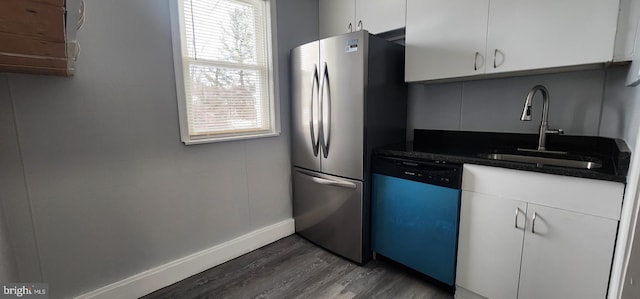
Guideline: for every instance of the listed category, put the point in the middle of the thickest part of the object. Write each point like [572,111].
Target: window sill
[230,138]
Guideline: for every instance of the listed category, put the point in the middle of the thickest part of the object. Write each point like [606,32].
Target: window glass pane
[223,100]
[223,30]
[226,68]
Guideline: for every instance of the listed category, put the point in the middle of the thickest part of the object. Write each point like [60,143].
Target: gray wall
[13,192]
[495,105]
[590,102]
[621,108]
[8,271]
[101,186]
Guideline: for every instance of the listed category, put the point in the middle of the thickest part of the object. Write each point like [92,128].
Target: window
[224,74]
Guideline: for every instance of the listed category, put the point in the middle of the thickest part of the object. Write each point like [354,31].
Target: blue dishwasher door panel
[416,224]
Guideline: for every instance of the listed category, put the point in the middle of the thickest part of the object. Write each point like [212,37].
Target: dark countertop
[466,146]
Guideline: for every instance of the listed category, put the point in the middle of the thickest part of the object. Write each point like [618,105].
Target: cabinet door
[490,245]
[445,38]
[526,35]
[336,16]
[380,15]
[568,255]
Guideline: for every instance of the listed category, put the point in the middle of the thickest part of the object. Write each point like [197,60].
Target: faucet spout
[544,126]
[526,111]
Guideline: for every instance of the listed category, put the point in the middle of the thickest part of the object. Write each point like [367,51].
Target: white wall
[99,187]
[630,287]
[621,119]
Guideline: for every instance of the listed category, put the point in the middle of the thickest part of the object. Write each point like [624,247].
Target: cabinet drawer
[587,196]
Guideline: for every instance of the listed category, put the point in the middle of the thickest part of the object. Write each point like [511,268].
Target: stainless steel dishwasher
[415,214]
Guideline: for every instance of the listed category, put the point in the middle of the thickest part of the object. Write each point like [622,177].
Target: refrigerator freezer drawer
[328,211]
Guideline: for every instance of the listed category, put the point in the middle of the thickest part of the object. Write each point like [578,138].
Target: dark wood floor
[294,268]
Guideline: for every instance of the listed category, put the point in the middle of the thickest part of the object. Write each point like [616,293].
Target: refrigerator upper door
[305,108]
[342,60]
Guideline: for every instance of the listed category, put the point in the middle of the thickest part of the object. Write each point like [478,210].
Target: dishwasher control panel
[433,172]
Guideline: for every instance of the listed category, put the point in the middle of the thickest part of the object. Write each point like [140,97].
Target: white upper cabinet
[445,38]
[525,34]
[376,16]
[507,35]
[337,17]
[379,16]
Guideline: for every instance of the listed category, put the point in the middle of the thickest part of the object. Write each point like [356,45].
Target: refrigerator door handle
[326,139]
[321,121]
[323,181]
[315,137]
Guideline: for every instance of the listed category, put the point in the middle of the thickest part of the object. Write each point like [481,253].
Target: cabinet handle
[359,27]
[80,16]
[495,55]
[475,68]
[516,220]
[76,53]
[350,28]
[533,223]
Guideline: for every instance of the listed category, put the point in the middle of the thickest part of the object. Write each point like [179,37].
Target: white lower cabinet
[566,254]
[489,245]
[521,240]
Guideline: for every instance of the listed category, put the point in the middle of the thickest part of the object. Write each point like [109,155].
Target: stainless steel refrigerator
[348,97]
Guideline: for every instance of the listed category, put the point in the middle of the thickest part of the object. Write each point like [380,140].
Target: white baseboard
[148,281]
[462,293]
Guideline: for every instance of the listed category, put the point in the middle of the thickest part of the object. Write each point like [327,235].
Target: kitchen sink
[558,160]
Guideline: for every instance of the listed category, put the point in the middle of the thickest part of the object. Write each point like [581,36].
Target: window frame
[179,57]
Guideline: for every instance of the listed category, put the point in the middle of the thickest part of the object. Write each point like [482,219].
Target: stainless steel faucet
[544,125]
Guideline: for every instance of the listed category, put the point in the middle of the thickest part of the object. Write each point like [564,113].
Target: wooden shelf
[32,37]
